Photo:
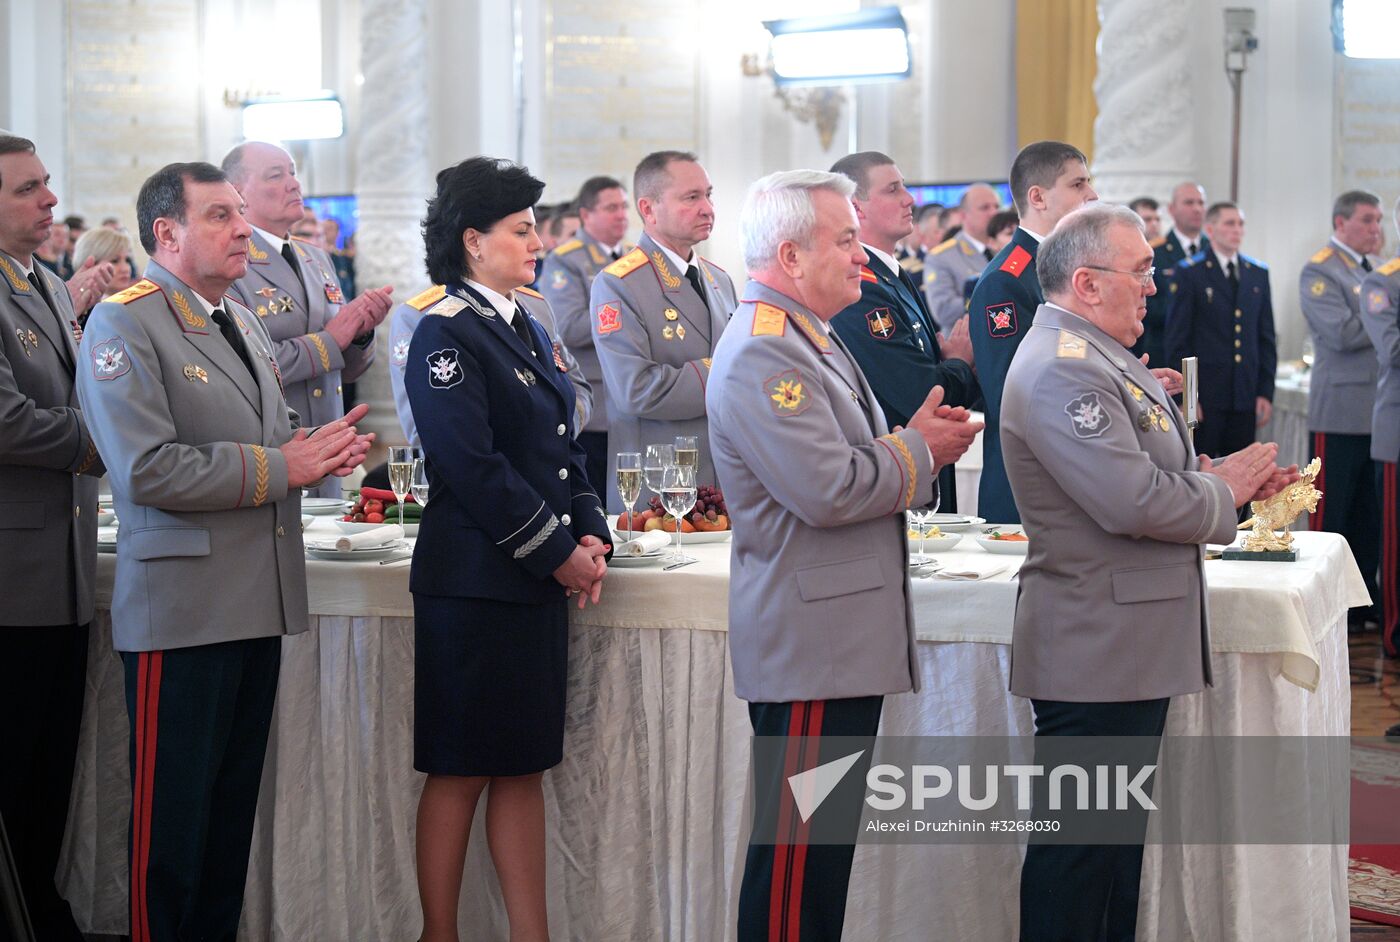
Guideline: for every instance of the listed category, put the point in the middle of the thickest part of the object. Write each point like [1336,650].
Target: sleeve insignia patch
[399,356]
[1087,416]
[1318,287]
[786,393]
[881,323]
[109,359]
[559,279]
[609,318]
[1073,347]
[769,321]
[1375,301]
[444,370]
[1001,319]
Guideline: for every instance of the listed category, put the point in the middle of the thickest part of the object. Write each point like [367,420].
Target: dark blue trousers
[200,718]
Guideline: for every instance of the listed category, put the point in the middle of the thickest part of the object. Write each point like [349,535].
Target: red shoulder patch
[1017,261]
[867,275]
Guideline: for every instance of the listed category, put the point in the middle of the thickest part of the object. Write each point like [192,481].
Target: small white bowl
[1003,547]
[105,518]
[349,526]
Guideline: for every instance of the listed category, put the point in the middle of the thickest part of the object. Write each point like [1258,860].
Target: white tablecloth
[647,812]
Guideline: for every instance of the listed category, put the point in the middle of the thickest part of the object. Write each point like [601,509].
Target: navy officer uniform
[891,335]
[509,502]
[1002,308]
[1230,329]
[1168,253]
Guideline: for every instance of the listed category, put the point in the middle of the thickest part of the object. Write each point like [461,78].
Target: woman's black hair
[475,194]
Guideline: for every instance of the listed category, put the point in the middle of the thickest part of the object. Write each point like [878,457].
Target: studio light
[865,46]
[293,119]
[1366,29]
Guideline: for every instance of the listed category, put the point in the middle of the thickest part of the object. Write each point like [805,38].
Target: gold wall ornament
[818,105]
[1273,516]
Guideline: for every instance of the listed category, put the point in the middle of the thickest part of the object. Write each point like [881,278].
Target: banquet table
[647,813]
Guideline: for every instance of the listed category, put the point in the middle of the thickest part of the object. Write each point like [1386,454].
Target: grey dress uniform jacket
[294,307]
[49,464]
[1343,389]
[816,485]
[404,320]
[1380,294]
[654,337]
[1112,602]
[947,266]
[565,282]
[210,546]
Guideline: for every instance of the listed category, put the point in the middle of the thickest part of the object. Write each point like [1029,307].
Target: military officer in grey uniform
[1111,615]
[49,468]
[820,628]
[949,265]
[321,342]
[568,276]
[1380,305]
[1343,389]
[658,313]
[206,470]
[405,318]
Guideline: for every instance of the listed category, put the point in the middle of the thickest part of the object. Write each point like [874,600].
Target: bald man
[951,263]
[321,341]
[1182,241]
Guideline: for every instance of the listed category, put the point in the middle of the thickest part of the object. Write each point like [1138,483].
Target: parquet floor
[1375,706]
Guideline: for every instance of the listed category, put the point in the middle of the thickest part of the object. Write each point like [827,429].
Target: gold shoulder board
[1390,267]
[428,298]
[769,321]
[1322,256]
[138,290]
[627,264]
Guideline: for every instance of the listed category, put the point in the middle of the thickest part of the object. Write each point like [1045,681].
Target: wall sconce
[808,56]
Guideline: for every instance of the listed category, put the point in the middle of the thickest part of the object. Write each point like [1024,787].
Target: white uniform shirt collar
[504,306]
[273,240]
[1186,243]
[1224,260]
[1034,235]
[981,247]
[1356,257]
[681,264]
[885,257]
[208,305]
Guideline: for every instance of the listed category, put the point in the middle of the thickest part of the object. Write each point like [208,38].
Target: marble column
[1144,137]
[393,178]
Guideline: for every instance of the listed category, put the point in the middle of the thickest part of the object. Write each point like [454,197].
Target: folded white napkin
[365,538]
[968,575]
[644,544]
[106,534]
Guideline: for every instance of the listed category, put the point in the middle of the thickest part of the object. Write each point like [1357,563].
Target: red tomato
[374,518]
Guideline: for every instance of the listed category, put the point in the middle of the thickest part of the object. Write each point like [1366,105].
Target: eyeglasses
[1144,277]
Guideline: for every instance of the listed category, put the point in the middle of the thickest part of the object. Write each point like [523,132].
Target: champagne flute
[418,483]
[401,473]
[678,497]
[688,451]
[919,516]
[657,458]
[629,482]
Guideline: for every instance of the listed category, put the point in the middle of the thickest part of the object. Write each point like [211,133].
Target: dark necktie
[230,332]
[615,255]
[1191,250]
[692,274]
[42,288]
[290,255]
[1233,275]
[522,330]
[988,254]
[1365,263]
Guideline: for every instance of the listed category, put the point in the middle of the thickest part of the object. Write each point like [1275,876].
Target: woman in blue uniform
[510,532]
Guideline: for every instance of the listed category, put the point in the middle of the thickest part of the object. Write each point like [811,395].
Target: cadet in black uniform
[511,530]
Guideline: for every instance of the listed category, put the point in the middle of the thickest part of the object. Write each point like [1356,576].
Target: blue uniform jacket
[890,332]
[1167,255]
[1232,336]
[1002,308]
[508,496]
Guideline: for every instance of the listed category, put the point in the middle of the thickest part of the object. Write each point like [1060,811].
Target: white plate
[692,539]
[359,555]
[1004,547]
[350,526]
[953,523]
[934,544]
[637,562]
[105,518]
[320,506]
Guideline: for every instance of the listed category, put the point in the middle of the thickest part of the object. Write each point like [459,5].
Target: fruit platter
[375,505]
[707,522]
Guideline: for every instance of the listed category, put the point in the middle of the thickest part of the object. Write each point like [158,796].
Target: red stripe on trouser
[147,715]
[1390,559]
[1315,520]
[782,852]
[799,856]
